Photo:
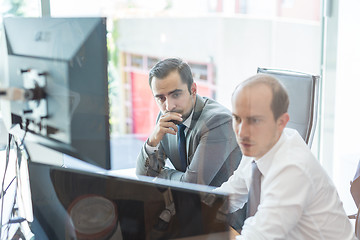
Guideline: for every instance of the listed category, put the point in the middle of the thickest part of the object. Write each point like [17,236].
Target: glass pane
[223,41]
[346,116]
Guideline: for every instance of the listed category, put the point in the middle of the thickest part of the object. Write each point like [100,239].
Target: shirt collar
[264,163]
[187,121]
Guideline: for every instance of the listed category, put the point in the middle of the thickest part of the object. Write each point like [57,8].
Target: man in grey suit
[211,148]
[211,152]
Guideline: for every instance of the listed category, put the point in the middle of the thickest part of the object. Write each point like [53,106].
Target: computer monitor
[74,204]
[61,63]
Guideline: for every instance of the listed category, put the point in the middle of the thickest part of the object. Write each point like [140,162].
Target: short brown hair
[280,99]
[164,67]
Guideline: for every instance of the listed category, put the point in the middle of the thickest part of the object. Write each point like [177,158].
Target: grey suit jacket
[212,150]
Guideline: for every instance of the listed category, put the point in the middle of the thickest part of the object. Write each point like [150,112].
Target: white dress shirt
[298,200]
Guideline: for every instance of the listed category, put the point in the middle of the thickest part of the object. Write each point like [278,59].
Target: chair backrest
[355,193]
[303,94]
[355,186]
[357,224]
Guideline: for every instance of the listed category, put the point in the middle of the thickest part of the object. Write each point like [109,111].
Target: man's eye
[236,119]
[176,95]
[160,99]
[254,120]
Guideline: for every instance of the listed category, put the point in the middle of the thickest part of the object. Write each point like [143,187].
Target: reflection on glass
[67,202]
[223,41]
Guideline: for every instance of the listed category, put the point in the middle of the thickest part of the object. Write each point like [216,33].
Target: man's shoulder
[209,114]
[212,107]
[295,153]
[214,114]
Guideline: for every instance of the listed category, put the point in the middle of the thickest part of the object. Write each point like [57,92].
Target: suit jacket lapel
[199,106]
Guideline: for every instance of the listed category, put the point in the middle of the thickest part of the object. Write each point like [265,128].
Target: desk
[139,203]
[129,172]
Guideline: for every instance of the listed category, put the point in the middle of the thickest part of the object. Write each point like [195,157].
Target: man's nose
[169,104]
[242,130]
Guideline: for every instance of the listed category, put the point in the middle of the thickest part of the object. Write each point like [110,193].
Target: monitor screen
[61,64]
[73,204]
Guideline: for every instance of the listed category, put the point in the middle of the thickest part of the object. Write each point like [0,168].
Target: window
[223,41]
[341,117]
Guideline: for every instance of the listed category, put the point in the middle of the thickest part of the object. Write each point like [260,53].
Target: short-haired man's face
[254,125]
[172,95]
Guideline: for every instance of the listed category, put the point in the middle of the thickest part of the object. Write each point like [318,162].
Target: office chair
[303,93]
[355,193]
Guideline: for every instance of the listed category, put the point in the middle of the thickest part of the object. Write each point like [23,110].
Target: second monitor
[61,66]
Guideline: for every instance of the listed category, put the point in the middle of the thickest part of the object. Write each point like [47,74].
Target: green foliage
[113,76]
[13,8]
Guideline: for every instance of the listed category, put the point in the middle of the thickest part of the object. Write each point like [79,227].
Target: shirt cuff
[149,149]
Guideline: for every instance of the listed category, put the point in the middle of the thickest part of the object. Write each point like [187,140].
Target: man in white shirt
[297,199]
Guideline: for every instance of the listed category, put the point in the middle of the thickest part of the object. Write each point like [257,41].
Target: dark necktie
[182,146]
[254,191]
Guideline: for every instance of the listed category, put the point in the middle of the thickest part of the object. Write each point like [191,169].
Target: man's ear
[283,120]
[193,90]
